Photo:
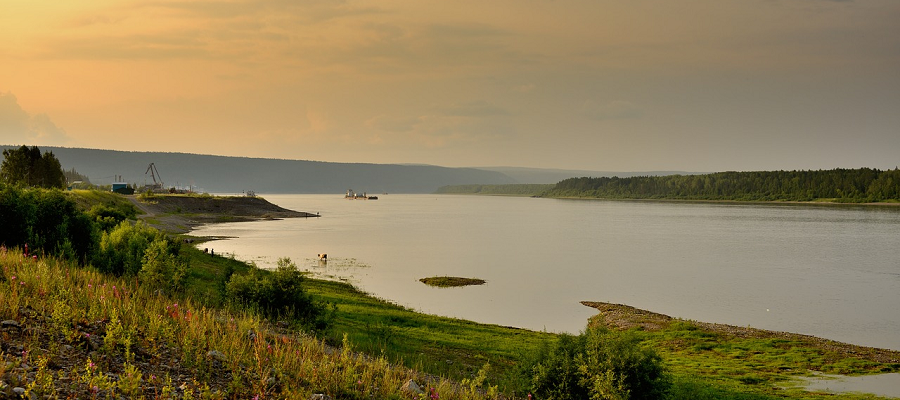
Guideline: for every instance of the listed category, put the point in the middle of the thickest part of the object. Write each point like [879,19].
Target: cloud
[477,109]
[308,11]
[445,126]
[17,126]
[134,47]
[617,109]
[392,124]
[524,88]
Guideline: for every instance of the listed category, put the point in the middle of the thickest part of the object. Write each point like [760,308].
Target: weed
[43,380]
[130,381]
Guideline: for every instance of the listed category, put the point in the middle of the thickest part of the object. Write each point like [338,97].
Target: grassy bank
[70,332]
[722,361]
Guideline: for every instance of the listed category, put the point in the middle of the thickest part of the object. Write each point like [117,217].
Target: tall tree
[27,166]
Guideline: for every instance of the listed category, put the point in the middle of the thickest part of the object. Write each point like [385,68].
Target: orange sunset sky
[578,84]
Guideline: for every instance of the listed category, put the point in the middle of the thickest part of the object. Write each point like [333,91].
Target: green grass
[206,272]
[85,199]
[734,367]
[451,281]
[437,345]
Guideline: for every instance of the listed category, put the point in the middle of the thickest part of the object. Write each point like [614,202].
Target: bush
[556,373]
[278,294]
[110,216]
[122,249]
[46,220]
[160,269]
[615,366]
[598,364]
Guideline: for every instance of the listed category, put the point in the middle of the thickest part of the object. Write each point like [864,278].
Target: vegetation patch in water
[451,281]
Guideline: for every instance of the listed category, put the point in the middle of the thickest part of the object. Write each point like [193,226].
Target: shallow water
[832,272]
[887,385]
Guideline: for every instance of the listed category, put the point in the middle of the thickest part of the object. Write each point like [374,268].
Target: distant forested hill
[519,189]
[552,176]
[219,174]
[842,185]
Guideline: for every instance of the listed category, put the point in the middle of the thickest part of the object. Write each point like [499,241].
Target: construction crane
[154,173]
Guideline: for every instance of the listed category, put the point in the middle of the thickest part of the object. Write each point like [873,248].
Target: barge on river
[351,195]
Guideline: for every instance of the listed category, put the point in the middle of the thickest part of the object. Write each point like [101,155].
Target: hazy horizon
[690,85]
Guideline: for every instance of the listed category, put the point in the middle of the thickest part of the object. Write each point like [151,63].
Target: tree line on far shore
[863,185]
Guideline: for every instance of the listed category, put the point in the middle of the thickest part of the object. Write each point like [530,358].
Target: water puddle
[887,385]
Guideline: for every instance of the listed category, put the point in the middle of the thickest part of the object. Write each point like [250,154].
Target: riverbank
[181,213]
[623,317]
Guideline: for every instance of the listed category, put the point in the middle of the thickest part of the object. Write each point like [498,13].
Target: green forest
[515,189]
[863,185]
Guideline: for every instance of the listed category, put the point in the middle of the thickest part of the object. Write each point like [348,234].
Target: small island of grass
[451,281]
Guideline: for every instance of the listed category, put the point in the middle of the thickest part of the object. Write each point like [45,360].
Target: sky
[604,85]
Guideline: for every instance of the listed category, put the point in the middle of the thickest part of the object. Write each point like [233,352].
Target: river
[828,271]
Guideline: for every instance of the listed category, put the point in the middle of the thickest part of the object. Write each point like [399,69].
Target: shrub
[278,294]
[122,249]
[615,366]
[110,216]
[555,375]
[47,221]
[160,269]
[598,364]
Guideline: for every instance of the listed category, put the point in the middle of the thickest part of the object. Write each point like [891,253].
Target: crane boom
[154,173]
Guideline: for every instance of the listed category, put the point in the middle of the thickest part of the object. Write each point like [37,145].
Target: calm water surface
[832,272]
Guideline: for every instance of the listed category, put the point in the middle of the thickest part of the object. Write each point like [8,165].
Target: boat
[351,195]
